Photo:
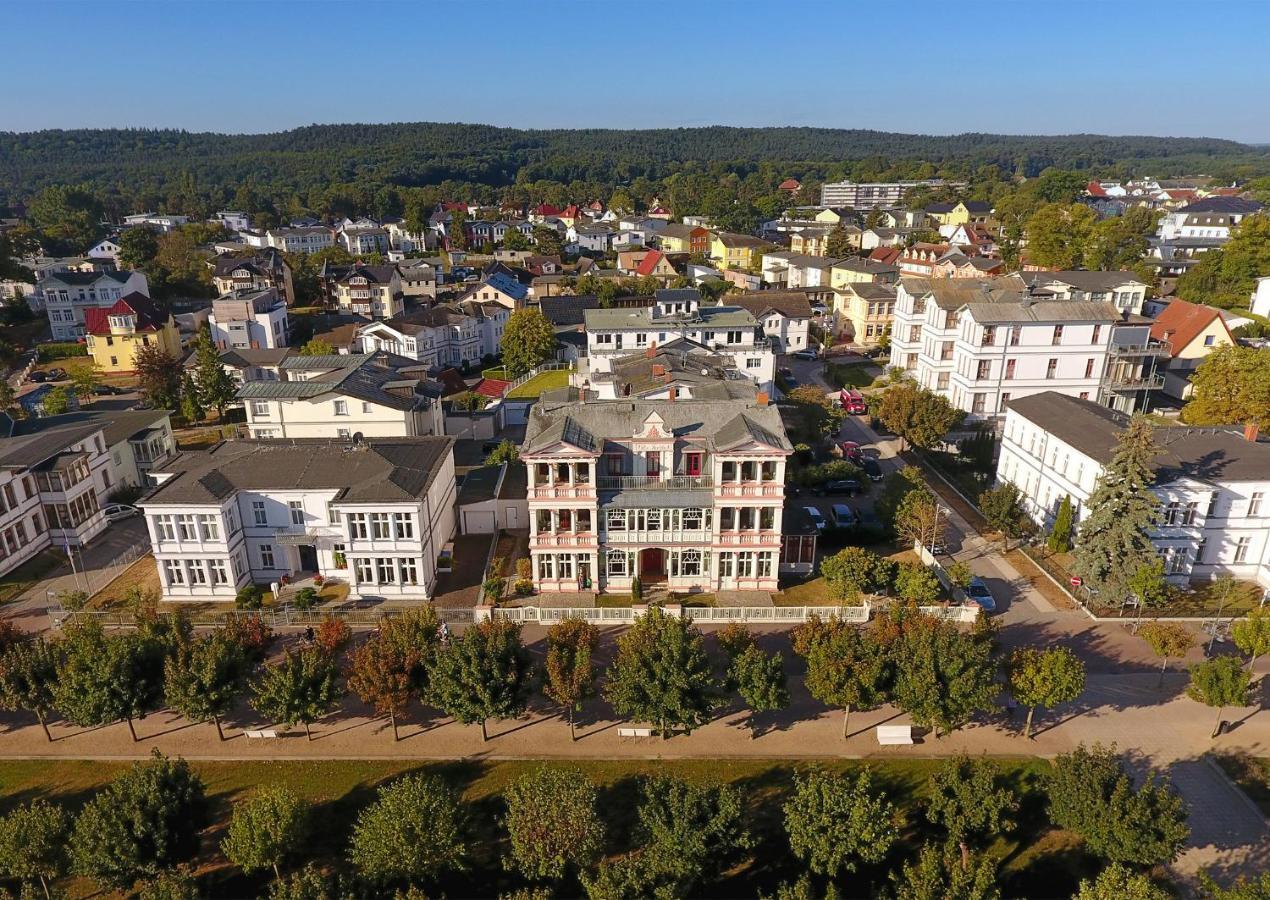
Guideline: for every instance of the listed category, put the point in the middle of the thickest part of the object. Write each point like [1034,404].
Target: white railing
[772,489]
[653,482]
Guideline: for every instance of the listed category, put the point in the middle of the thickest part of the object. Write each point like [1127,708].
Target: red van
[853,402]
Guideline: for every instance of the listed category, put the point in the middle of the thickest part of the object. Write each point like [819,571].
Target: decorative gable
[653,428]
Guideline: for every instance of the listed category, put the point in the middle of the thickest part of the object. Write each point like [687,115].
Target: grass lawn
[1037,861]
[544,381]
[612,601]
[1205,599]
[142,575]
[1251,774]
[25,576]
[861,375]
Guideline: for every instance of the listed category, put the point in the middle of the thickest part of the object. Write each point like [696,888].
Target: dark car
[979,594]
[38,377]
[105,390]
[842,486]
[871,468]
[56,374]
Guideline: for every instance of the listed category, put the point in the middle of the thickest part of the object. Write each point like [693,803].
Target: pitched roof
[792,305]
[491,387]
[1088,282]
[381,470]
[374,378]
[116,425]
[567,310]
[1237,205]
[1181,322]
[732,239]
[648,264]
[149,316]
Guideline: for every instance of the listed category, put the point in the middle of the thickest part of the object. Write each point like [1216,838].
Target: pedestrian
[309,635]
[445,633]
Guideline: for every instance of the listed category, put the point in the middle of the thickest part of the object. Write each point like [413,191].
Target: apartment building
[250,319]
[871,194]
[372,514]
[983,342]
[231,274]
[1123,290]
[53,484]
[345,396]
[308,239]
[680,370]
[136,440]
[438,337]
[678,315]
[371,291]
[865,309]
[66,296]
[116,334]
[785,317]
[1213,484]
[682,493]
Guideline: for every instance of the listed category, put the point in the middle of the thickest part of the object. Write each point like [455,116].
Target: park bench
[634,732]
[892,735]
[261,734]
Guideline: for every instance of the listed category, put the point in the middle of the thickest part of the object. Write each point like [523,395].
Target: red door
[692,462]
[652,564]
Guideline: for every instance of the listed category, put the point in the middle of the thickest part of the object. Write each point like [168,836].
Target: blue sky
[1031,66]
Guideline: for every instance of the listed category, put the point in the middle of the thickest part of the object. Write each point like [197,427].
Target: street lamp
[934,535]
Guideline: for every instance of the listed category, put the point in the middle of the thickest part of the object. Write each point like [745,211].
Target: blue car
[979,594]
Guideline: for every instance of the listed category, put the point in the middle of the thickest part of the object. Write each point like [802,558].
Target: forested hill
[420,154]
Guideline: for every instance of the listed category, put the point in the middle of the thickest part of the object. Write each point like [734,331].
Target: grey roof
[954,293]
[1089,282]
[117,425]
[1236,205]
[642,318]
[480,485]
[87,278]
[1205,454]
[25,451]
[1044,311]
[303,363]
[385,469]
[867,266]
[589,424]
[872,290]
[568,310]
[375,378]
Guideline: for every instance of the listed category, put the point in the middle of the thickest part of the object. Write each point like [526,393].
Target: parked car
[853,402]
[851,450]
[979,594]
[785,372]
[56,374]
[843,486]
[871,468]
[105,390]
[817,519]
[843,516]
[805,354]
[38,377]
[117,512]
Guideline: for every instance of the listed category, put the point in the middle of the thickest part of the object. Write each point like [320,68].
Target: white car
[805,354]
[816,517]
[117,512]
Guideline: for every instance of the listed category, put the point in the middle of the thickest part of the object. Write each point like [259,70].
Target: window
[1004,399]
[1051,369]
[386,570]
[984,370]
[1175,559]
[1084,395]
[613,463]
[357,526]
[564,565]
[1241,549]
[618,562]
[364,570]
[209,528]
[175,571]
[164,529]
[1209,340]
[745,565]
[989,335]
[1192,510]
[1058,335]
[725,565]
[941,381]
[764,565]
[979,404]
[692,519]
[753,363]
[380,529]
[403,526]
[266,556]
[341,407]
[1089,368]
[690,563]
[260,409]
[367,407]
[546,567]
[1016,335]
[297,512]
[220,571]
[185,527]
[652,462]
[258,512]
[1254,505]
[198,575]
[1097,333]
[343,434]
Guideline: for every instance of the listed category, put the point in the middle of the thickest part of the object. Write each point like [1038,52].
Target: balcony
[1134,382]
[770,538]
[657,536]
[564,539]
[654,482]
[1150,348]
[562,491]
[751,489]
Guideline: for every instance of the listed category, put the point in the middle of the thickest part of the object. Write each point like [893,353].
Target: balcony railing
[749,537]
[564,539]
[743,489]
[659,536]
[1150,348]
[1134,383]
[653,482]
[561,491]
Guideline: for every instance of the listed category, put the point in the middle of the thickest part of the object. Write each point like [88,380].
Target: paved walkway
[1229,836]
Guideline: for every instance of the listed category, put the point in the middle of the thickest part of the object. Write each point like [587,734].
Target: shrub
[492,589]
[62,350]
[249,597]
[637,590]
[304,598]
[73,600]
[524,569]
[523,587]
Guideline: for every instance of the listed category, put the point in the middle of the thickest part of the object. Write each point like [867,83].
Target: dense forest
[184,171]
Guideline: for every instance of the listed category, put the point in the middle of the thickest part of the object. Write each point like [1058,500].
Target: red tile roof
[149,316]
[570,212]
[648,264]
[789,184]
[1181,322]
[887,255]
[491,387]
[1094,189]
[546,209]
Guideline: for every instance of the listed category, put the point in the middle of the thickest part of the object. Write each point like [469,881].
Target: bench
[893,735]
[634,732]
[261,734]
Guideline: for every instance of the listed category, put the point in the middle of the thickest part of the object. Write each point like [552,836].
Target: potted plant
[319,580]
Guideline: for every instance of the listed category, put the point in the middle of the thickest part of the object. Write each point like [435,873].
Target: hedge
[61,350]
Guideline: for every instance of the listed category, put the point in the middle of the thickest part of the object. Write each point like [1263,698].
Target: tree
[936,875]
[548,240]
[853,571]
[484,674]
[513,239]
[1251,635]
[960,575]
[916,583]
[529,340]
[553,823]
[919,518]
[265,829]
[301,688]
[57,401]
[759,678]
[1227,277]
[416,635]
[1243,889]
[695,829]
[1231,386]
[159,376]
[1044,678]
[28,678]
[662,674]
[85,378]
[148,819]
[173,884]
[317,347]
[306,884]
[1148,584]
[380,674]
[106,678]
[1219,682]
[1058,235]
[1001,508]
[1060,536]
[412,832]
[191,403]
[943,677]
[1114,541]
[456,232]
[816,416]
[204,678]
[568,673]
[505,452]
[1168,640]
[1089,792]
[216,388]
[33,843]
[138,247]
[1116,882]
[968,801]
[68,217]
[835,822]
[846,667]
[8,399]
[917,415]
[332,635]
[838,242]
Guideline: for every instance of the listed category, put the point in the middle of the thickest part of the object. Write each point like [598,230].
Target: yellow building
[117,334]
[963,212]
[864,309]
[855,270]
[737,251]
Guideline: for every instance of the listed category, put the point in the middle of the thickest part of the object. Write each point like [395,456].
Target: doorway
[652,564]
[308,558]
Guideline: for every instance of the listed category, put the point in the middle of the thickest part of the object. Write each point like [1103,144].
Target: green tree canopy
[1251,635]
[969,802]
[301,688]
[1117,882]
[697,830]
[568,673]
[485,674]
[105,678]
[1002,507]
[265,829]
[853,571]
[1045,678]
[528,341]
[505,452]
[835,822]
[159,375]
[662,674]
[205,677]
[943,676]
[759,678]
[28,678]
[937,875]
[1219,682]
[846,666]
[1168,640]
[920,417]
[216,389]
[1231,387]
[33,841]
[413,832]
[380,674]
[553,823]
[317,347]
[1226,276]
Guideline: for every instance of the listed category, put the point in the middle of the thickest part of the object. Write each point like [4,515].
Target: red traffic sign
[1075,581]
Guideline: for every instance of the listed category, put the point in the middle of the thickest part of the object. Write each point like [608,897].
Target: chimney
[674,392]
[1250,432]
[760,399]
[650,353]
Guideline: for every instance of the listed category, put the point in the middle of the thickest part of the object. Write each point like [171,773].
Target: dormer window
[122,322]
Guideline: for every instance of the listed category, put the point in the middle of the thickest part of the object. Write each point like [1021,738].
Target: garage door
[478,521]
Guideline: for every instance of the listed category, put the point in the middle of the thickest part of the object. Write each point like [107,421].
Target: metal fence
[95,581]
